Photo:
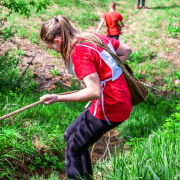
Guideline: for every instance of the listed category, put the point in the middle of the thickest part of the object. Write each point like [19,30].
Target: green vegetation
[155,157]
[32,141]
[23,6]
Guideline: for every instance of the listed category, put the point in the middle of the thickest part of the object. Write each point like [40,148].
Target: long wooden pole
[31,105]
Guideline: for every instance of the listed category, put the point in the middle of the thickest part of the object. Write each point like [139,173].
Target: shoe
[145,8]
[137,7]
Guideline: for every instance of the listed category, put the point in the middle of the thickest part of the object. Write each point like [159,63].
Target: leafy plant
[23,7]
[19,52]
[172,124]
[177,75]
[22,32]
[54,71]
[34,38]
[174,31]
[6,33]
[10,74]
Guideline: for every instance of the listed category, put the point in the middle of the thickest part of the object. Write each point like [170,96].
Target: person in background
[143,4]
[112,28]
[106,88]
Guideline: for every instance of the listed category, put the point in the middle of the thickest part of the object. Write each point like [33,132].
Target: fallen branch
[93,148]
[30,63]
[109,139]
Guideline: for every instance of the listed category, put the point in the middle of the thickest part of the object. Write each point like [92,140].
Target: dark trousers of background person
[114,37]
[80,135]
[143,3]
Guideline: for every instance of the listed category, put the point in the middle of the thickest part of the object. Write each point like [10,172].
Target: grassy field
[31,142]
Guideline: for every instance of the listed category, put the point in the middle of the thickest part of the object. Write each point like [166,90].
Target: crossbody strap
[114,20]
[116,58]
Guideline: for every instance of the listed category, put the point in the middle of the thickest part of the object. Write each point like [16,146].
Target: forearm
[100,25]
[91,92]
[86,94]
[122,23]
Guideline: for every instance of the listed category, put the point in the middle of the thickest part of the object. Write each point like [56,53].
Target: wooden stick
[31,105]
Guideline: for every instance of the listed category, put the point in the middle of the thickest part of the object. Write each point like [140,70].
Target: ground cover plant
[31,142]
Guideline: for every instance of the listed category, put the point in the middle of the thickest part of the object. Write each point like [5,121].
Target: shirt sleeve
[104,16]
[115,43]
[83,63]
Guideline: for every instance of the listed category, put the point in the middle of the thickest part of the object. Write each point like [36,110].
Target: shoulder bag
[139,92]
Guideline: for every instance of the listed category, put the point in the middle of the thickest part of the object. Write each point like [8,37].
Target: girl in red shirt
[106,88]
[110,18]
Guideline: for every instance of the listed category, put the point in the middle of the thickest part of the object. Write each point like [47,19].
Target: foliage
[174,31]
[10,74]
[34,133]
[6,33]
[147,116]
[156,157]
[24,6]
[172,125]
[54,71]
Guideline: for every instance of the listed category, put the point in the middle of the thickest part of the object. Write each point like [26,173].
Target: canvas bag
[119,26]
[139,93]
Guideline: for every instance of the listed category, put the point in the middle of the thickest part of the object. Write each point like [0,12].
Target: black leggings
[80,135]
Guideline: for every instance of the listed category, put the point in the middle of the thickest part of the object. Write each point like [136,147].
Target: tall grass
[156,157]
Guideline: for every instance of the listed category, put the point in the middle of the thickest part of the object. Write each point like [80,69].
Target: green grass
[154,157]
[36,132]
[33,139]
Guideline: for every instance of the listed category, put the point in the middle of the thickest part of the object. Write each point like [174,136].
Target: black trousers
[80,135]
[114,37]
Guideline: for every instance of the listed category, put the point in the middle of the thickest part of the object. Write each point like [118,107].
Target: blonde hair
[60,26]
[112,4]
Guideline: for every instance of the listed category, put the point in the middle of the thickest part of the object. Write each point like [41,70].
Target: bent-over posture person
[112,28]
[105,86]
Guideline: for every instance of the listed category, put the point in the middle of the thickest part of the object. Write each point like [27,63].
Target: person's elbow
[129,51]
[97,94]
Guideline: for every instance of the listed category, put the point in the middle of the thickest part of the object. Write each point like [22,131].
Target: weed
[177,75]
[174,31]
[22,32]
[6,33]
[34,38]
[54,71]
[10,73]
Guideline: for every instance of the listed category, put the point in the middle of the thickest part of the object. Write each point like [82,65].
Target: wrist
[55,98]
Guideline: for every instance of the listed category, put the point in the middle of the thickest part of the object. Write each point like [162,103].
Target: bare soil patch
[41,63]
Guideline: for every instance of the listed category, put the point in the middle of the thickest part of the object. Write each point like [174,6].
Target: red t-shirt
[117,97]
[112,28]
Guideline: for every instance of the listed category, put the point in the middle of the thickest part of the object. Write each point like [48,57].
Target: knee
[66,136]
